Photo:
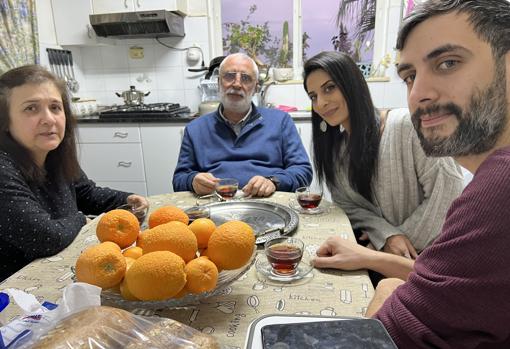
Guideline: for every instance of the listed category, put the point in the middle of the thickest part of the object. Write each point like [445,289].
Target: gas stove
[151,111]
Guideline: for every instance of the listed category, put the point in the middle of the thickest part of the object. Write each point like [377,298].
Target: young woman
[44,195]
[373,163]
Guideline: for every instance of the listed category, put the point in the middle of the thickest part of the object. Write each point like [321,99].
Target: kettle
[132,96]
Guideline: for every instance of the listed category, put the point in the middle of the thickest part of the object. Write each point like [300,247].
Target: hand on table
[259,186]
[339,253]
[138,201]
[401,246]
[204,183]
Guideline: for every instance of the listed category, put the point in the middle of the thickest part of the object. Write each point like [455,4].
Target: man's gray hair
[245,57]
[490,20]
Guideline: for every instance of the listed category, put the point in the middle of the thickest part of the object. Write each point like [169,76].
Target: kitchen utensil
[75,86]
[215,63]
[133,96]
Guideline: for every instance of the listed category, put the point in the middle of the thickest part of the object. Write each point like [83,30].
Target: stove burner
[152,111]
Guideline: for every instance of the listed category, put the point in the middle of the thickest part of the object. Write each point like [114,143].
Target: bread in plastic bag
[107,327]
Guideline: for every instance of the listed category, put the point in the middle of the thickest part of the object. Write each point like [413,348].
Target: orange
[101,265]
[167,214]
[156,276]
[119,226]
[124,290]
[231,245]
[133,252]
[112,245]
[175,237]
[202,228]
[201,275]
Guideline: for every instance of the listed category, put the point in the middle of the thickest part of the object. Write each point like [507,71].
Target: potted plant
[283,71]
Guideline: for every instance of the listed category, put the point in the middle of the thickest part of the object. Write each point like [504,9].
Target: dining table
[227,315]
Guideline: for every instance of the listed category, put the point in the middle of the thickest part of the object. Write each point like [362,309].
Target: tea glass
[197,212]
[139,212]
[284,255]
[227,188]
[309,198]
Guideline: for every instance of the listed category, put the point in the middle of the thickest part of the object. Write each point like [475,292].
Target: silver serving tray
[268,219]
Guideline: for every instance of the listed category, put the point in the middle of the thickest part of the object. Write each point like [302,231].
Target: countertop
[94,119]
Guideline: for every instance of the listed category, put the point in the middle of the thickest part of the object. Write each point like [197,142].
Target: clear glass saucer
[322,208]
[303,270]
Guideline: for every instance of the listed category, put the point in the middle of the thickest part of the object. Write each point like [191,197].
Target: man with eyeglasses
[259,147]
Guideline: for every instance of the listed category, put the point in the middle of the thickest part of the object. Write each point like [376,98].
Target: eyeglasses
[231,76]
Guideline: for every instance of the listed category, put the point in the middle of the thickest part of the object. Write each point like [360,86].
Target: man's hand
[140,202]
[401,246]
[204,183]
[259,186]
[339,253]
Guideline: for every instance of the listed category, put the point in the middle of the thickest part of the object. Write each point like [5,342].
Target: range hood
[142,24]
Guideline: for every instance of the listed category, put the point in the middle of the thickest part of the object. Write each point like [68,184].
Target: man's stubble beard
[480,125]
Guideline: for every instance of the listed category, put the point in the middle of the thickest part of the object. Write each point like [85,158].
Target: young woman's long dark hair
[363,141]
[62,161]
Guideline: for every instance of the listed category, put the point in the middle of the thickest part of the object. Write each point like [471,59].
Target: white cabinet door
[108,133]
[161,144]
[112,162]
[112,6]
[72,25]
[305,133]
[131,187]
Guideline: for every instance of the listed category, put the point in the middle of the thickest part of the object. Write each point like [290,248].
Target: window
[316,23]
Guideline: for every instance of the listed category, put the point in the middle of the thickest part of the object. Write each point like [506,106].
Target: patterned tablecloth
[227,316]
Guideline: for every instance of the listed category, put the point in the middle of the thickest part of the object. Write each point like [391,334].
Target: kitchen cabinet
[161,144]
[112,6]
[112,156]
[72,25]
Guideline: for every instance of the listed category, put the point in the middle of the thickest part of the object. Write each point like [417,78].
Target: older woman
[373,162]
[44,195]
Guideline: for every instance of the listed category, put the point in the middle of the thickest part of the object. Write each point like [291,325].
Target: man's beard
[240,106]
[479,126]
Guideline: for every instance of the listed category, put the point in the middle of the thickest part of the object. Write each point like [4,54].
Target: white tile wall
[104,70]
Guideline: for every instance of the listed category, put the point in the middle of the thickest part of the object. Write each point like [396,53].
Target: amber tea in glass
[309,198]
[284,255]
[227,187]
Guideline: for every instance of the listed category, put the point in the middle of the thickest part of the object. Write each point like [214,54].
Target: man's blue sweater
[268,145]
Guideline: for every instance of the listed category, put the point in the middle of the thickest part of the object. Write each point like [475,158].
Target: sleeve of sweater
[187,167]
[456,297]
[92,199]
[376,226]
[28,226]
[297,170]
[441,182]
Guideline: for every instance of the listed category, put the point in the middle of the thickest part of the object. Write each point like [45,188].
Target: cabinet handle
[181,132]
[89,31]
[121,134]
[125,4]
[124,164]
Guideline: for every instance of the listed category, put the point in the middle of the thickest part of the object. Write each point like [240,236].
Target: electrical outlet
[136,52]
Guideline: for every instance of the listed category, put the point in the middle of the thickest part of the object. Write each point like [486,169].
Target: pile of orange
[168,260]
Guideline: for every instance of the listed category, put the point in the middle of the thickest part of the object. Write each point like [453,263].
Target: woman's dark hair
[364,137]
[63,160]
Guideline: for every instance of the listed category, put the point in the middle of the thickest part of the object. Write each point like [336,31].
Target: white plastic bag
[38,319]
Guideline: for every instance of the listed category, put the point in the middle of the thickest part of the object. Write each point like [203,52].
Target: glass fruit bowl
[225,278]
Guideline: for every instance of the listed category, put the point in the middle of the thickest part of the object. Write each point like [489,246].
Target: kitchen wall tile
[90,57]
[172,96]
[192,99]
[143,78]
[116,80]
[92,80]
[170,78]
[395,95]
[114,57]
[377,93]
[166,57]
